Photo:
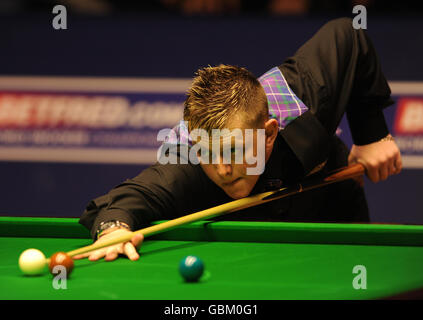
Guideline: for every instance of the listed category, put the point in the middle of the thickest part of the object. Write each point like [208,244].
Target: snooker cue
[342,174]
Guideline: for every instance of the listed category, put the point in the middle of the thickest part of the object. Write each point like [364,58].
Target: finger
[81,256]
[372,172]
[130,251]
[119,248]
[383,171]
[398,163]
[351,159]
[391,167]
[96,255]
[111,254]
[137,240]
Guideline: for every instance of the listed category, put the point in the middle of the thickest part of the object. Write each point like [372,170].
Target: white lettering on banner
[411,120]
[41,137]
[79,138]
[411,144]
[156,115]
[12,137]
[146,139]
[408,130]
[58,111]
[66,138]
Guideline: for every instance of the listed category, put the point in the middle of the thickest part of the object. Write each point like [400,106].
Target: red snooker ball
[61,259]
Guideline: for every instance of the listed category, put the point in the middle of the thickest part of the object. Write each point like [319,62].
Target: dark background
[173,39]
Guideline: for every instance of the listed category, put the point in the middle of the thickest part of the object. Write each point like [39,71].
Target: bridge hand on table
[130,248]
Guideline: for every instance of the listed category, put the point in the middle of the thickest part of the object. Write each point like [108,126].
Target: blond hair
[219,93]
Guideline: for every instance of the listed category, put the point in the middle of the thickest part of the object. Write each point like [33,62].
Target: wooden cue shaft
[339,175]
[336,176]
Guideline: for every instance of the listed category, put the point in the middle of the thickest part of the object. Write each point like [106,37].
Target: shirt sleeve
[160,192]
[367,125]
[336,72]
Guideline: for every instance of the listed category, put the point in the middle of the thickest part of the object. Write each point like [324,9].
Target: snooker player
[299,106]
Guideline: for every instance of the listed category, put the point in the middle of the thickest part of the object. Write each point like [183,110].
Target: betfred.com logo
[409,117]
[70,111]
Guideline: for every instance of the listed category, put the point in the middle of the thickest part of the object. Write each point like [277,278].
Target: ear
[271,128]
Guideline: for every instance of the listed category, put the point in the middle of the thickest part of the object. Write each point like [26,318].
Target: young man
[298,106]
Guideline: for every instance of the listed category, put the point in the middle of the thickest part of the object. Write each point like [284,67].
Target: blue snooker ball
[191,268]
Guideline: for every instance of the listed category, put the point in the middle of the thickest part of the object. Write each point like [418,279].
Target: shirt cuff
[308,140]
[367,126]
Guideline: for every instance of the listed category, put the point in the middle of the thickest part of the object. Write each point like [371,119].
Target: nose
[224,170]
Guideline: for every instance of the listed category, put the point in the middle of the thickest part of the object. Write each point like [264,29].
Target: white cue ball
[32,262]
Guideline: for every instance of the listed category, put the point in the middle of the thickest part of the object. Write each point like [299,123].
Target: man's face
[233,178]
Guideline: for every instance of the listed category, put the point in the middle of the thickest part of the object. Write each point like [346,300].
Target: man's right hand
[130,248]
